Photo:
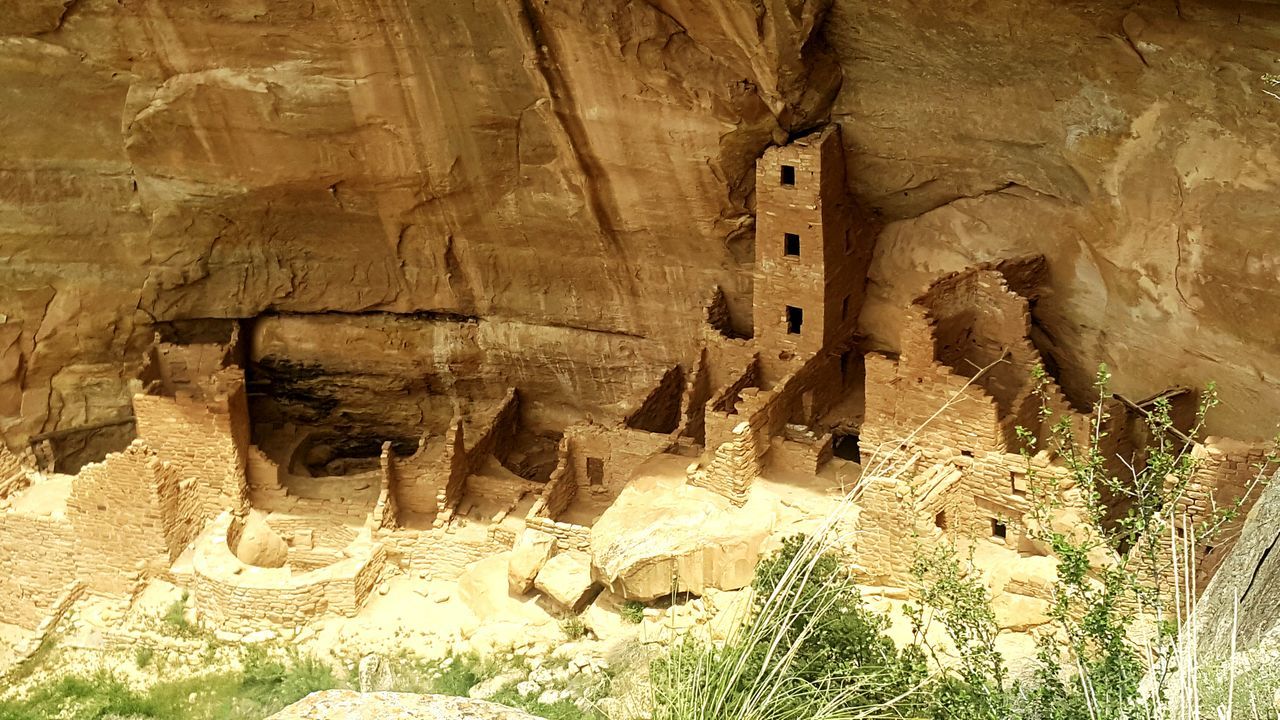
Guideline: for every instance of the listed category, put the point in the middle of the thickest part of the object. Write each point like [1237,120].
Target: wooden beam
[1147,414]
[55,434]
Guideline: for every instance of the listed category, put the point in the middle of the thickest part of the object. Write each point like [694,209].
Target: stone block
[566,580]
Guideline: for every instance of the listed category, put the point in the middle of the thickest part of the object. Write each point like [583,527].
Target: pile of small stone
[570,673]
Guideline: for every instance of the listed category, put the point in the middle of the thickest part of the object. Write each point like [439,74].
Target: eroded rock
[533,551]
[566,580]
[662,533]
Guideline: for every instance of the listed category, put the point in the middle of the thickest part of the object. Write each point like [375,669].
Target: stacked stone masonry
[938,445]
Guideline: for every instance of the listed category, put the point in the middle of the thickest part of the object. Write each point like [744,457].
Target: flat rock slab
[352,705]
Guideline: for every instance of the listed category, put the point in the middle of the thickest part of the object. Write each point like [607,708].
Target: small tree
[1133,516]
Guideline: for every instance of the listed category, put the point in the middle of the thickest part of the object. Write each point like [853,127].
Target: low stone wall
[233,596]
[46,626]
[568,535]
[33,549]
[444,553]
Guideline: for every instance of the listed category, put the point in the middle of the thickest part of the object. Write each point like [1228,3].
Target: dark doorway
[846,447]
[795,319]
[788,175]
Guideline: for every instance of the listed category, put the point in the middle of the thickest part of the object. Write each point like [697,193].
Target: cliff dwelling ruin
[279,487]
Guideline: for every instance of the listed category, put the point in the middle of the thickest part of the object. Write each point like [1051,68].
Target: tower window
[999,531]
[795,318]
[791,244]
[788,175]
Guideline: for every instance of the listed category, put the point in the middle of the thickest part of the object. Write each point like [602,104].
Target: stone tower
[810,264]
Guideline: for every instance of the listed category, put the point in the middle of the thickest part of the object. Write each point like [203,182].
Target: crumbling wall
[660,410]
[964,377]
[605,458]
[386,509]
[34,550]
[697,393]
[13,474]
[130,518]
[433,479]
[555,499]
[263,478]
[205,436]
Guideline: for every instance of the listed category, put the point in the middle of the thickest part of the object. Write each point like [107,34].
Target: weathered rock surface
[1250,576]
[352,705]
[483,590]
[660,529]
[566,580]
[574,170]
[260,545]
[603,617]
[531,552]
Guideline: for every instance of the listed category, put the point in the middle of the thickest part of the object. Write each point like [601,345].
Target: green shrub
[633,612]
[262,687]
[809,650]
[573,628]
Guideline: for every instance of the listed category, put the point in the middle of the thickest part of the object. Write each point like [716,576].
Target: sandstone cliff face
[585,165]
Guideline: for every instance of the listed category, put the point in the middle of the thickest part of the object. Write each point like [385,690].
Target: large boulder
[259,545]
[566,580]
[352,705]
[532,551]
[662,530]
[1251,574]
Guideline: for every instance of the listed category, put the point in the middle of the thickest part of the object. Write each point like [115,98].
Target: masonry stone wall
[205,436]
[660,410]
[433,480]
[33,549]
[132,515]
[1228,473]
[697,393]
[231,595]
[812,251]
[13,474]
[604,458]
[963,379]
[444,553]
[386,509]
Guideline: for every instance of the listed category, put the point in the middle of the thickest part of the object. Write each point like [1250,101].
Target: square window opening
[940,520]
[595,472]
[788,175]
[795,320]
[967,453]
[999,531]
[791,245]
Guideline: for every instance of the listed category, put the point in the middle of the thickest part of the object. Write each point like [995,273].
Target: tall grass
[805,613]
[807,649]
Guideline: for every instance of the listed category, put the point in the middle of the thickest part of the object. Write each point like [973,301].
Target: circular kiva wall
[233,595]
